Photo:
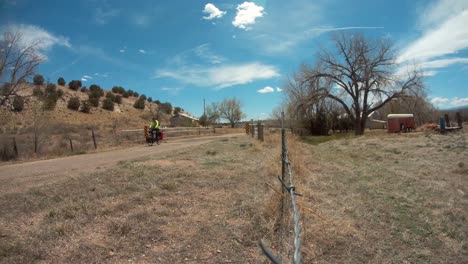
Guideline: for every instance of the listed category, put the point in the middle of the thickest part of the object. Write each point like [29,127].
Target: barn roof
[391,116]
[185,115]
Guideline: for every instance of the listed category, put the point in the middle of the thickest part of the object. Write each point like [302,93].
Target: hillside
[124,115]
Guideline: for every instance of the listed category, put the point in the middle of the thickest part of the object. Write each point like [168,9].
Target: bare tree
[361,75]
[18,61]
[230,109]
[212,113]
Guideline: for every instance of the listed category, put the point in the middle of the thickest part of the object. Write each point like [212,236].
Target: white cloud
[37,36]
[84,80]
[123,50]
[429,73]
[459,101]
[87,77]
[267,89]
[450,37]
[221,76]
[279,89]
[103,17]
[439,100]
[446,102]
[142,51]
[213,12]
[247,13]
[438,11]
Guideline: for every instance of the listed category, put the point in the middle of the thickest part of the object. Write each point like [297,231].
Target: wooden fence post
[94,138]
[71,145]
[15,147]
[214,130]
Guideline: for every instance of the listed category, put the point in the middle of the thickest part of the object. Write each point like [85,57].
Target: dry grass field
[380,198]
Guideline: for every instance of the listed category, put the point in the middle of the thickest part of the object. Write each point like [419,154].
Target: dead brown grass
[386,198]
[198,205]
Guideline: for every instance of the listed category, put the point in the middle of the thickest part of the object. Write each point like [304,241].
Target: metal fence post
[15,147]
[71,145]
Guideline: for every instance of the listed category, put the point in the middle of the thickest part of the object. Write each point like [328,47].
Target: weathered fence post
[71,145]
[260,131]
[252,128]
[15,147]
[94,138]
[447,120]
[459,119]
[214,130]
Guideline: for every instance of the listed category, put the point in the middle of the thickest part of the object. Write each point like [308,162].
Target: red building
[400,122]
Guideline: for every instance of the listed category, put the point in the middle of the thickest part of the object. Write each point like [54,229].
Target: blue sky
[184,51]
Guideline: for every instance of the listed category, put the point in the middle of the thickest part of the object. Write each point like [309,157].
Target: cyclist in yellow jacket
[154,126]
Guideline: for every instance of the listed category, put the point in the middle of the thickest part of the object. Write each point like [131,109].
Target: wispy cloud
[35,35]
[142,51]
[221,76]
[104,75]
[140,20]
[246,16]
[84,79]
[279,89]
[267,89]
[448,37]
[213,12]
[204,52]
[87,77]
[172,90]
[104,16]
[123,50]
[443,63]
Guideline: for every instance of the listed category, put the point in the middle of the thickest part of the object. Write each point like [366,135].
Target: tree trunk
[359,124]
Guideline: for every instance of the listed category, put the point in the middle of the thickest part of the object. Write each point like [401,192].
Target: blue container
[442,123]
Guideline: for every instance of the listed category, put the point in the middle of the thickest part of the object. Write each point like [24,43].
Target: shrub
[51,88]
[84,90]
[143,97]
[61,81]
[50,101]
[38,79]
[118,99]
[86,107]
[74,103]
[37,92]
[150,99]
[94,101]
[166,108]
[118,89]
[177,110]
[96,91]
[6,89]
[135,94]
[111,96]
[157,102]
[74,85]
[126,94]
[18,104]
[108,104]
[139,104]
[59,93]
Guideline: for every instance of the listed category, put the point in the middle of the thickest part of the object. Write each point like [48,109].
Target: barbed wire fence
[289,235]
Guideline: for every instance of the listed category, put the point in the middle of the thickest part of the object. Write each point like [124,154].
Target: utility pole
[204,109]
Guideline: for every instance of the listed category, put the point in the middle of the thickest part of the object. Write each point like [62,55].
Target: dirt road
[19,177]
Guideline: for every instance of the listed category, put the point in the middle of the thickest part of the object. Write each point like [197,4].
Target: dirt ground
[379,198]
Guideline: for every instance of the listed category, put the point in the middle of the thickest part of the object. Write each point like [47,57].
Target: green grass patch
[315,140]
